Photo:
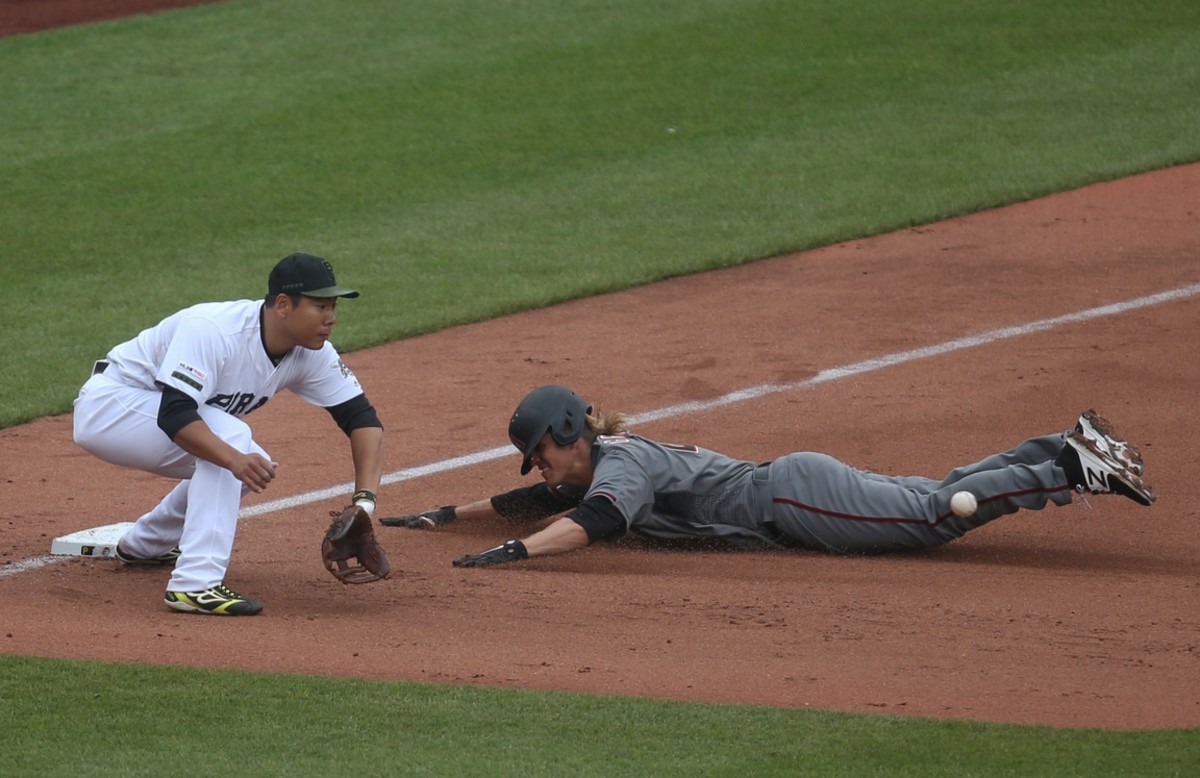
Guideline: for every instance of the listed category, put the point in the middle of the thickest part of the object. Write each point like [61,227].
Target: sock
[1068,460]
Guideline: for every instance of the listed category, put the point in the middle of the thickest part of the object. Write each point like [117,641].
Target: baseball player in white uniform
[610,482]
[171,401]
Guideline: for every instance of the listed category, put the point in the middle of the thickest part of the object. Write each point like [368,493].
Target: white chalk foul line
[732,398]
[12,568]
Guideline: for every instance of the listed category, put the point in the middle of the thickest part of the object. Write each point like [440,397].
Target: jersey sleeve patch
[184,378]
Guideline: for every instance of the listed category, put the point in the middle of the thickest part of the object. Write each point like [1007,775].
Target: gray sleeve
[621,480]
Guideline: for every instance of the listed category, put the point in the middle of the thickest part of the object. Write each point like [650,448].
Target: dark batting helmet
[553,409]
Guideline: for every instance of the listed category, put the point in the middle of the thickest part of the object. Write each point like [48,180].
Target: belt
[762,473]
[100,366]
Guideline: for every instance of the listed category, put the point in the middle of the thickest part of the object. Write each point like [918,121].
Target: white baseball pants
[119,424]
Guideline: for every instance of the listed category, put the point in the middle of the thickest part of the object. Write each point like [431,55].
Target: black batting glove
[511,551]
[426,520]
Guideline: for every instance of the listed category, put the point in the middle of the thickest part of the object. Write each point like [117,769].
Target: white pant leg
[159,530]
[210,521]
[119,424]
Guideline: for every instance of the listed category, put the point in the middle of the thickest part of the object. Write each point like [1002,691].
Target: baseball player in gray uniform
[171,401]
[611,482]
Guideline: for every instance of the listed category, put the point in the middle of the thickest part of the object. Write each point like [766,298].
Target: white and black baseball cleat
[1100,431]
[1100,473]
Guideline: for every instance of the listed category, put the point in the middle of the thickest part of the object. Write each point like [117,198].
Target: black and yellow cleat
[220,600]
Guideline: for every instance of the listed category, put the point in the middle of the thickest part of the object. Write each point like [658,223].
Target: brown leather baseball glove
[352,537]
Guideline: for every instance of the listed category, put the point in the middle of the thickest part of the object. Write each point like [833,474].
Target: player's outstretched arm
[366,451]
[436,517]
[525,504]
[560,537]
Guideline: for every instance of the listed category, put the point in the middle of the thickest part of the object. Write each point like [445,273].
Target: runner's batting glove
[510,551]
[426,520]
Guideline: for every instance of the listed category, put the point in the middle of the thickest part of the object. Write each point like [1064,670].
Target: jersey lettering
[238,403]
[616,439]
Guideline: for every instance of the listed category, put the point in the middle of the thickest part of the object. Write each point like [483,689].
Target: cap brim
[331,291]
[526,452]
[526,465]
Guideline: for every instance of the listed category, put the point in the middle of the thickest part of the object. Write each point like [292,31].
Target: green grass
[460,160]
[145,720]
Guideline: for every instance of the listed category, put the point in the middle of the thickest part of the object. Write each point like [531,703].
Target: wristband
[365,498]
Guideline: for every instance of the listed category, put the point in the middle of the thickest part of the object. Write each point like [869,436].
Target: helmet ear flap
[570,426]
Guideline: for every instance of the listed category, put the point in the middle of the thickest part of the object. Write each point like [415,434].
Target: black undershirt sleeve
[354,413]
[530,503]
[600,518]
[176,410]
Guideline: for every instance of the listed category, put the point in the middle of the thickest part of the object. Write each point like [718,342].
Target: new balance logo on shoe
[1096,478]
[1104,474]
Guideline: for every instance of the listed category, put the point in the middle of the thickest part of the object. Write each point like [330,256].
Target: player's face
[310,322]
[570,464]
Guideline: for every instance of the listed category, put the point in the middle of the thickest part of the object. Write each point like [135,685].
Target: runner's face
[310,322]
[571,464]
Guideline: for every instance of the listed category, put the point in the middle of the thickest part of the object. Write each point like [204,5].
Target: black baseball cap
[307,275]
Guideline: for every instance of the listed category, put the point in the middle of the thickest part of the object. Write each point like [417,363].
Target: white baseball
[963,504]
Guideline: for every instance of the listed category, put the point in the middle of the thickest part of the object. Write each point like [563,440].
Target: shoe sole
[1118,479]
[165,560]
[253,608]
[149,562]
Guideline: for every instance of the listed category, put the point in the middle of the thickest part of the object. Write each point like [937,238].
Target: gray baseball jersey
[812,500]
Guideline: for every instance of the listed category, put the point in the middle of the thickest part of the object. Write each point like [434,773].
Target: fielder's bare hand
[253,470]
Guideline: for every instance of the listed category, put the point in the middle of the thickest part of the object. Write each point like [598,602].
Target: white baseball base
[94,542]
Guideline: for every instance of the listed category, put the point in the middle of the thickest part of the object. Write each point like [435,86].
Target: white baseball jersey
[213,352]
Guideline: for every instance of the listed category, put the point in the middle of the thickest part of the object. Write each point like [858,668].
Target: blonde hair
[602,423]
